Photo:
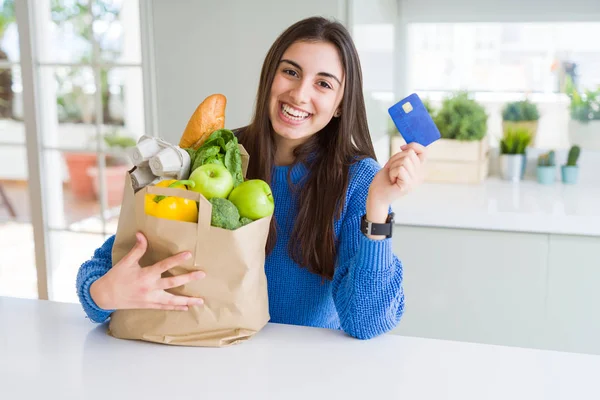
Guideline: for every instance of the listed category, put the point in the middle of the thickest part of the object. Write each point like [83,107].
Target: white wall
[374,11]
[218,47]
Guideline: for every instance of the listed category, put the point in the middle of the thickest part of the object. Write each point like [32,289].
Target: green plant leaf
[221,147]
[461,118]
[515,140]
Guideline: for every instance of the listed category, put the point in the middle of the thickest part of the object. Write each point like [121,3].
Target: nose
[301,92]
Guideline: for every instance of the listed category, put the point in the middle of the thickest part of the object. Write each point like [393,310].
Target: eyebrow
[326,74]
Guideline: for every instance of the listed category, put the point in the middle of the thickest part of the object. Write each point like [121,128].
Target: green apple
[253,198]
[212,180]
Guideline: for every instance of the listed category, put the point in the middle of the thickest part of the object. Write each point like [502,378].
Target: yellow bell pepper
[170,207]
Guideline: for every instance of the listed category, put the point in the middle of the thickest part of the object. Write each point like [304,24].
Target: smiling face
[307,90]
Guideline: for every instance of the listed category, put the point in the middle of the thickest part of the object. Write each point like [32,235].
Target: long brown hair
[343,141]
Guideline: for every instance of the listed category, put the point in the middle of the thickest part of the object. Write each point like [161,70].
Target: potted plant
[522,113]
[513,146]
[546,168]
[117,165]
[570,171]
[584,125]
[461,155]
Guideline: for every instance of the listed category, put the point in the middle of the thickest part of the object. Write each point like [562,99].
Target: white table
[51,351]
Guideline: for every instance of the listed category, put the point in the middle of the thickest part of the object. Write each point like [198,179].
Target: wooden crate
[457,161]
[454,161]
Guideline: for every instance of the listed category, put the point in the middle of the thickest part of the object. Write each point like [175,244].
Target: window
[503,57]
[87,68]
[17,263]
[434,48]
[502,62]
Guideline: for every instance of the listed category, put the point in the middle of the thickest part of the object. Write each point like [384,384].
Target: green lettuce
[221,147]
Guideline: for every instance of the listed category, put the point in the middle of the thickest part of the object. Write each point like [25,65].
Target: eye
[290,72]
[325,85]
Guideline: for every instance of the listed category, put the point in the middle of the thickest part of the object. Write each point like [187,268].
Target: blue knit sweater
[365,297]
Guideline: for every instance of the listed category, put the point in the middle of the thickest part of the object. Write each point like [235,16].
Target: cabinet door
[573,313]
[471,285]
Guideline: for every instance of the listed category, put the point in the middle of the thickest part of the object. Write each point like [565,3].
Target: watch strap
[371,228]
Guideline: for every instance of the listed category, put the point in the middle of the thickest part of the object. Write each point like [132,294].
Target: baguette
[208,117]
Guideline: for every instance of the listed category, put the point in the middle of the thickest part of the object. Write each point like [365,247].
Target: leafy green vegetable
[221,147]
[207,154]
[233,161]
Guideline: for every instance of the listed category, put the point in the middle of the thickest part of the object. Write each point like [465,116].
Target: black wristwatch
[371,228]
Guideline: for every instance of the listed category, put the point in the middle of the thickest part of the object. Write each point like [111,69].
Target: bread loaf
[208,117]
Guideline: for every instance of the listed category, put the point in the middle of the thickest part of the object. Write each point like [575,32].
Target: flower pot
[79,182]
[523,165]
[115,183]
[569,174]
[546,175]
[511,166]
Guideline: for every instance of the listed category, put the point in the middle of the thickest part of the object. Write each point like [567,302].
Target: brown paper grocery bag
[235,287]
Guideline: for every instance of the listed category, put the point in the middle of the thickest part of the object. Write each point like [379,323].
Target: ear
[337,113]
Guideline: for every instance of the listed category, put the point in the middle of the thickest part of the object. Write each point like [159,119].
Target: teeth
[293,113]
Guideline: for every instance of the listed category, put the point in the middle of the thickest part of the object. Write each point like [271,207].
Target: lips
[292,115]
[294,112]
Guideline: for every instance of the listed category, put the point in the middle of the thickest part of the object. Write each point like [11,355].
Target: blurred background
[501,242]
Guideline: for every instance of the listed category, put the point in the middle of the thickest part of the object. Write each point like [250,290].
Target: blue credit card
[413,121]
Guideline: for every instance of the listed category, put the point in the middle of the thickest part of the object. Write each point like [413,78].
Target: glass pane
[375,45]
[12,129]
[501,63]
[115,173]
[123,104]
[69,108]
[73,191]
[68,251]
[503,57]
[13,165]
[9,33]
[65,31]
[71,198]
[18,276]
[117,30]
[373,33]
[123,115]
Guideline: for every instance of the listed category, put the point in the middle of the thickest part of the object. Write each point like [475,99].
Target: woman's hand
[127,285]
[400,175]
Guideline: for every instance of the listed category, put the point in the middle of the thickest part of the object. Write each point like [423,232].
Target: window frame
[31,67]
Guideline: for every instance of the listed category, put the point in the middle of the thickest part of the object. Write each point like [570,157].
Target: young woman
[309,140]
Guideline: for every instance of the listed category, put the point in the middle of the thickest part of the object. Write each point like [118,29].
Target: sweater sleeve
[367,284]
[88,273]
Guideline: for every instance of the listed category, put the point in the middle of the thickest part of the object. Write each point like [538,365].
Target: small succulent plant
[547,159]
[573,156]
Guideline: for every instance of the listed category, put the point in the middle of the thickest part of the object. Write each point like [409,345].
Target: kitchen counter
[50,350]
[504,206]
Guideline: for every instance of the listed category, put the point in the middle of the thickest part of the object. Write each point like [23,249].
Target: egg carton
[157,159]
